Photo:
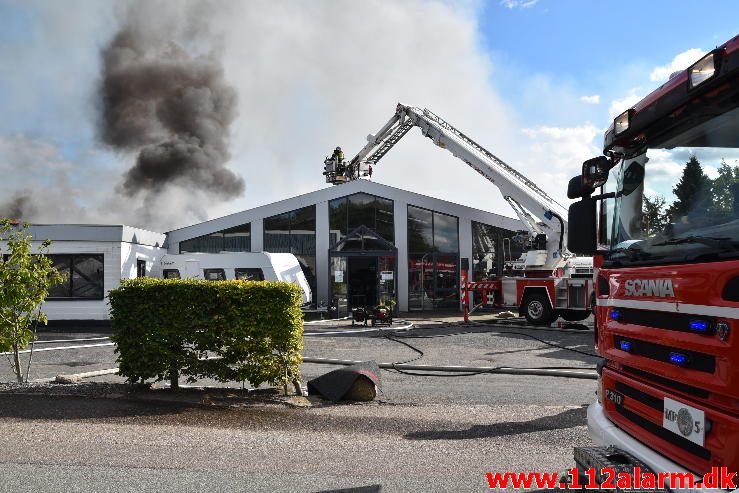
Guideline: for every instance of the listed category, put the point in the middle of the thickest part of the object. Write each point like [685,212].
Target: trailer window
[214,274]
[249,274]
[83,276]
[171,273]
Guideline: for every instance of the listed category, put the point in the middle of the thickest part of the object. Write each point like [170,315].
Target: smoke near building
[164,100]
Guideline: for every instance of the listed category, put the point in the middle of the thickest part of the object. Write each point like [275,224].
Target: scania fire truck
[547,281]
[660,211]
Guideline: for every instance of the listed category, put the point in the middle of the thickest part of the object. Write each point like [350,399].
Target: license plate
[685,421]
[615,397]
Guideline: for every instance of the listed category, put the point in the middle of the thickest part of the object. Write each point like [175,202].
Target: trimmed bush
[164,328]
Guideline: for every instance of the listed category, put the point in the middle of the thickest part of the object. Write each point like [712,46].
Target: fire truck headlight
[621,122]
[703,69]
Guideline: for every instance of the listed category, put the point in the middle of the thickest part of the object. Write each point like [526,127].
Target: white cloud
[658,74]
[524,4]
[594,99]
[301,94]
[680,62]
[618,106]
[664,165]
[303,89]
[557,154]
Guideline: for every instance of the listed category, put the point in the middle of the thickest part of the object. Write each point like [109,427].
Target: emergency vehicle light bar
[705,68]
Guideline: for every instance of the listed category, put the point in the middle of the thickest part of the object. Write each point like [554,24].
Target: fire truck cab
[660,212]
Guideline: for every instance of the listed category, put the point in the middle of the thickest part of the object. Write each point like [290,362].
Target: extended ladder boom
[524,196]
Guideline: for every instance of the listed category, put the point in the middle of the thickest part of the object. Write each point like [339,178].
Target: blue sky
[534,81]
[596,47]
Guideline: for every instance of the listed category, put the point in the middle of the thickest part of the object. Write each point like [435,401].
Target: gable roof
[334,192]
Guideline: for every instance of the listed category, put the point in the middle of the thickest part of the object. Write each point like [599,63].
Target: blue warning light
[699,325]
[678,358]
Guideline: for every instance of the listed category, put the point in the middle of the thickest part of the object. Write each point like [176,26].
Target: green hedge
[164,328]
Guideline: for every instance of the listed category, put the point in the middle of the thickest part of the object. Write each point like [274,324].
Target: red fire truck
[547,281]
[660,212]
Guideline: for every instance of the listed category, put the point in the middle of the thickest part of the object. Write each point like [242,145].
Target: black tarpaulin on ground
[335,384]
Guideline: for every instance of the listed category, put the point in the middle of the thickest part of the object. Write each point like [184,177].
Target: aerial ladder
[550,281]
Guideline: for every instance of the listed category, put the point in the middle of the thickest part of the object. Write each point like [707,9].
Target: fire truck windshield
[678,202]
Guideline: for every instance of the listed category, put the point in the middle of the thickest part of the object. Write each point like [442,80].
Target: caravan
[235,266]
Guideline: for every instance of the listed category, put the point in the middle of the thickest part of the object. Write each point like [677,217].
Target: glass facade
[492,248]
[487,241]
[433,260]
[294,232]
[84,276]
[237,239]
[433,248]
[348,213]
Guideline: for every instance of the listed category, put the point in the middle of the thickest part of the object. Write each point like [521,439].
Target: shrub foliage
[225,330]
[26,275]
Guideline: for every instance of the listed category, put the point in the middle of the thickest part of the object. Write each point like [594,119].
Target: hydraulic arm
[541,214]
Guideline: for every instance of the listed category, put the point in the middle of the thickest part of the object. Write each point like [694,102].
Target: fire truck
[547,281]
[660,212]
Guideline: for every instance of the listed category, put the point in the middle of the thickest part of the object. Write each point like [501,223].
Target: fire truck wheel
[575,315]
[538,311]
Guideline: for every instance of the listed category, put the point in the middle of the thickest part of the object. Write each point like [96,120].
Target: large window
[433,260]
[237,239]
[294,232]
[84,276]
[348,213]
[493,249]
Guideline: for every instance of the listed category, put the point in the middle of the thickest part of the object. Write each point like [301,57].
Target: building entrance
[363,283]
[363,271]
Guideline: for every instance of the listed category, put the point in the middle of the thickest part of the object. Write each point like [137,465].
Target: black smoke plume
[168,106]
[19,206]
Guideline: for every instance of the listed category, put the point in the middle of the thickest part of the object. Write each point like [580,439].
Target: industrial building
[362,242]
[358,243]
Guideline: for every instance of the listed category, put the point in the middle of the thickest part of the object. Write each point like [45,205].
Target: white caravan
[235,265]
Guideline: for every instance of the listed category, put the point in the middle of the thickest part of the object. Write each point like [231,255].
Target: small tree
[723,188]
[25,279]
[654,214]
[692,192]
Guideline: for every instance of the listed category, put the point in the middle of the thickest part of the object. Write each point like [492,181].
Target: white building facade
[94,259]
[361,243]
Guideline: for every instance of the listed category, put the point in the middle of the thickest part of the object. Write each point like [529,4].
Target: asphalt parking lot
[423,433]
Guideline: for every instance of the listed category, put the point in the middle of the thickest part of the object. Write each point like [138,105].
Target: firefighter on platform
[339,159]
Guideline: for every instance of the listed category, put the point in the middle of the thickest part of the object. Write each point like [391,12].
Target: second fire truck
[547,281]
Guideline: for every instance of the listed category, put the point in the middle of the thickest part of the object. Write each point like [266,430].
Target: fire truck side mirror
[595,172]
[581,237]
[575,189]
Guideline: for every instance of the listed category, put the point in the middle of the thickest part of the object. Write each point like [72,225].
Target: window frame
[433,231]
[345,220]
[219,270]
[240,270]
[70,280]
[220,236]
